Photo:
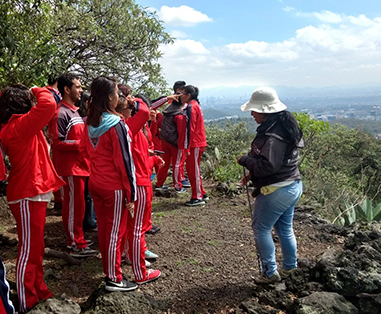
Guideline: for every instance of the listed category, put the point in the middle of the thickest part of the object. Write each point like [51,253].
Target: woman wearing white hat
[273,165]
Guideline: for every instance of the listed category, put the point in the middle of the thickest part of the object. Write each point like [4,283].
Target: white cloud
[323,16]
[346,52]
[182,16]
[178,34]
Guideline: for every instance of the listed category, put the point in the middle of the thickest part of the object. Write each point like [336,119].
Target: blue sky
[273,42]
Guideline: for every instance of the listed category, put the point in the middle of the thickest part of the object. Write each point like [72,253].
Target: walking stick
[251,215]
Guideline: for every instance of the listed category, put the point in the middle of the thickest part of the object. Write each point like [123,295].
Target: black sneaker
[205,198]
[185,183]
[153,230]
[161,188]
[89,243]
[122,285]
[195,202]
[85,252]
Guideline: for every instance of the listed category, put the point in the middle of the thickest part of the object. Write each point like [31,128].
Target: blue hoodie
[108,121]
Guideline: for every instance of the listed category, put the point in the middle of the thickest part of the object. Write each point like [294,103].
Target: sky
[298,43]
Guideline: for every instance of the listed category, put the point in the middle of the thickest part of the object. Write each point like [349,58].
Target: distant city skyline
[277,42]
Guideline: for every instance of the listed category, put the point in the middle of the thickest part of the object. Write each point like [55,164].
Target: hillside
[206,254]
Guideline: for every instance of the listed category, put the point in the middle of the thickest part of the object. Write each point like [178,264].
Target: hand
[130,207]
[152,114]
[160,162]
[173,97]
[130,100]
[151,152]
[245,179]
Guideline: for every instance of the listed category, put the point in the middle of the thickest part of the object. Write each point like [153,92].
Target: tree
[92,37]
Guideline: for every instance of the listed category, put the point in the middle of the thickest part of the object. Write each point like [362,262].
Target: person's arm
[122,159]
[269,161]
[83,144]
[59,129]
[38,117]
[157,103]
[140,118]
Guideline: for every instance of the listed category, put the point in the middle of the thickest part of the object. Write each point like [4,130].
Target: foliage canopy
[40,38]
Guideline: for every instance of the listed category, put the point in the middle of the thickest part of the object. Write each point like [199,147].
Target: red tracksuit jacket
[32,170]
[140,143]
[66,131]
[195,134]
[111,163]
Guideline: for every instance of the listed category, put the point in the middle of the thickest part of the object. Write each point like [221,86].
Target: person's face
[258,117]
[114,97]
[185,98]
[75,91]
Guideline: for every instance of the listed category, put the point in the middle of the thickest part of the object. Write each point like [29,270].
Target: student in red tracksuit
[196,142]
[139,220]
[67,128]
[173,138]
[112,184]
[31,181]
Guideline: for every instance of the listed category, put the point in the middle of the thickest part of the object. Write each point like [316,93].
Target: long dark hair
[99,101]
[15,99]
[193,91]
[288,121]
[82,104]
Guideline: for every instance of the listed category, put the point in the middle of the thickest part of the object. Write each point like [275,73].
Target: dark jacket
[168,130]
[272,158]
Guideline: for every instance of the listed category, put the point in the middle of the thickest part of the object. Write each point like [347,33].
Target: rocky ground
[207,258]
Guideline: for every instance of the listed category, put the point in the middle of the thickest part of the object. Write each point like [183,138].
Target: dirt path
[206,254]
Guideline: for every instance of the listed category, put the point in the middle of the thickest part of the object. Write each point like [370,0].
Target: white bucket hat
[264,100]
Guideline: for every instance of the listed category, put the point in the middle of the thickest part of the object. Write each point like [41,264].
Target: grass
[212,242]
[186,230]
[207,269]
[193,261]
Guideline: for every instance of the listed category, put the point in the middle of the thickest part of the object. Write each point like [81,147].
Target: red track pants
[138,224]
[194,174]
[110,208]
[73,210]
[30,218]
[174,156]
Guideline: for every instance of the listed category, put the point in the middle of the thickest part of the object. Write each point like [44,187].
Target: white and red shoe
[152,274]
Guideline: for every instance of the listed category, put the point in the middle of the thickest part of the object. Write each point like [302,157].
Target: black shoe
[123,285]
[195,202]
[154,230]
[82,253]
[205,198]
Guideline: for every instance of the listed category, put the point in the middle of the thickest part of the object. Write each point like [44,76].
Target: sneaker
[286,273]
[185,183]
[205,198]
[122,285]
[182,190]
[152,274]
[89,243]
[154,229]
[151,255]
[85,252]
[262,280]
[161,188]
[195,202]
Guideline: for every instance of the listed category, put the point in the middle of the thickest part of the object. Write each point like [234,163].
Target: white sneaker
[151,255]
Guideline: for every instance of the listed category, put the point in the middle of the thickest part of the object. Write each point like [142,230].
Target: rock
[253,307]
[103,302]
[369,303]
[56,306]
[324,303]
[349,281]
[10,267]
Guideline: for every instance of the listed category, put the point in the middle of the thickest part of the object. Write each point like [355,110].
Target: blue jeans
[276,210]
